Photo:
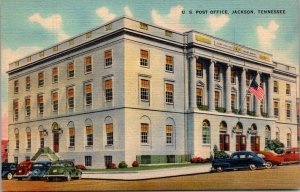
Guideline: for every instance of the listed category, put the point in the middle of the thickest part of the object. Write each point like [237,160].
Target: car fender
[225,165]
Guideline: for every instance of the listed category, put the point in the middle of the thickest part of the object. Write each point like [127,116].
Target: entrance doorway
[240,142]
[56,142]
[255,143]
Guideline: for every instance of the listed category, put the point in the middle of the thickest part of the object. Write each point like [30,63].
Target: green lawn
[147,167]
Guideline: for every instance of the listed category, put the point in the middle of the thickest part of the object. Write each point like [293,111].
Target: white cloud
[52,24]
[105,14]
[128,11]
[267,35]
[217,22]
[171,20]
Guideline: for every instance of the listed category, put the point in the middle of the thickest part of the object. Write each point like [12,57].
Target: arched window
[71,127]
[206,132]
[170,125]
[224,137]
[17,138]
[28,136]
[42,132]
[89,132]
[289,139]
[267,134]
[109,130]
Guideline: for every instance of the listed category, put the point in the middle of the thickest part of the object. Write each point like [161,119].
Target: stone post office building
[129,91]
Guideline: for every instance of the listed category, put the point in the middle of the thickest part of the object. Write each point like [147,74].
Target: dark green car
[63,169]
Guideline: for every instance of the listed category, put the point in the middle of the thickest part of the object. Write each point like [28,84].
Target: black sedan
[39,169]
[238,160]
[8,170]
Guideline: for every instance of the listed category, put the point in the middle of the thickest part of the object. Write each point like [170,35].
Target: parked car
[23,170]
[63,169]
[39,169]
[238,160]
[270,158]
[8,170]
[291,155]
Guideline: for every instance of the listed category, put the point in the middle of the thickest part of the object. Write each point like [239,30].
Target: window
[145,87]
[71,70]
[17,140]
[109,134]
[288,89]
[55,75]
[199,69]
[248,79]
[144,58]
[144,133]
[41,104]
[72,136]
[169,93]
[27,83]
[16,110]
[70,96]
[28,134]
[275,87]
[276,108]
[168,33]
[262,104]
[107,160]
[267,134]
[108,90]
[199,97]
[27,107]
[88,35]
[108,27]
[169,63]
[277,135]
[248,102]
[288,110]
[89,135]
[42,139]
[233,101]
[41,79]
[27,158]
[233,76]
[108,58]
[16,160]
[88,160]
[217,73]
[88,64]
[289,140]
[55,101]
[28,59]
[206,133]
[41,54]
[143,26]
[16,86]
[55,48]
[88,94]
[217,99]
[71,42]
[169,134]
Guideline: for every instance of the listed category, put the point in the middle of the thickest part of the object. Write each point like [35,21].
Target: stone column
[243,93]
[257,102]
[211,93]
[192,83]
[228,89]
[270,97]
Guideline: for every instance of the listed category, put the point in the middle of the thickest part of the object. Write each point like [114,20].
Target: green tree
[274,145]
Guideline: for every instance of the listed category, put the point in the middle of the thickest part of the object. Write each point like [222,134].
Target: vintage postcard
[126,95]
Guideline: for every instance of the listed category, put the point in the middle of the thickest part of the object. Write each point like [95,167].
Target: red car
[23,170]
[291,155]
[270,158]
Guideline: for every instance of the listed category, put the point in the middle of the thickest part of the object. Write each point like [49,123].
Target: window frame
[70,99]
[144,91]
[27,107]
[144,134]
[41,81]
[88,159]
[88,97]
[55,75]
[54,103]
[87,66]
[70,73]
[169,95]
[275,87]
[16,86]
[108,90]
[27,86]
[144,62]
[169,66]
[40,104]
[108,62]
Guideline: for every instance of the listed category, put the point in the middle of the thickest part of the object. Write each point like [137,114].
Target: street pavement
[147,174]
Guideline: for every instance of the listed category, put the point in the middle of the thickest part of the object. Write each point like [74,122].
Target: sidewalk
[148,174]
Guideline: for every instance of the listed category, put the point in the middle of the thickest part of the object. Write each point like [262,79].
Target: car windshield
[58,164]
[5,166]
[38,165]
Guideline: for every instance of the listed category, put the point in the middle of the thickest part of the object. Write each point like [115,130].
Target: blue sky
[28,26]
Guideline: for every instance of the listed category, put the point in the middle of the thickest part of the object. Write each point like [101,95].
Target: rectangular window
[288,111]
[144,58]
[275,87]
[109,134]
[41,79]
[248,102]
[71,71]
[42,139]
[276,108]
[233,101]
[108,27]
[70,96]
[108,90]
[168,33]
[143,26]
[55,101]
[41,54]
[233,76]
[169,63]
[41,104]
[108,58]
[27,83]
[55,75]
[289,141]
[88,160]
[88,64]
[199,97]
[169,134]
[199,69]
[88,35]
[206,135]
[217,99]
[144,133]
[217,73]
[55,48]
[89,135]
[16,110]
[16,160]
[88,94]
[169,93]
[71,42]
[17,140]
[107,160]
[16,86]
[27,107]
[145,87]
[288,89]
[28,140]
[72,136]
[262,104]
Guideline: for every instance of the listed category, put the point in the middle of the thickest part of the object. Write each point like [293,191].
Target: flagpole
[245,95]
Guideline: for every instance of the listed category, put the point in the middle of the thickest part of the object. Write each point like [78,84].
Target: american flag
[256,90]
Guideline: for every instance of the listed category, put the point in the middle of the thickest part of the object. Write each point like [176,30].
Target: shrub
[135,164]
[197,160]
[81,167]
[111,166]
[123,164]
[274,145]
[219,154]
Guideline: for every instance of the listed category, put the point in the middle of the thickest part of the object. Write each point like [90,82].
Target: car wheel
[252,167]
[9,176]
[220,169]
[68,177]
[269,165]
[79,176]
